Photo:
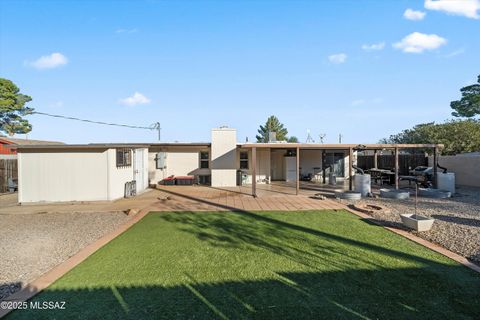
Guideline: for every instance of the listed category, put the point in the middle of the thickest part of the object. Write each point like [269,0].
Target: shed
[89,172]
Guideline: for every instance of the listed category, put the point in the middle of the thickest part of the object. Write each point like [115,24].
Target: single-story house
[6,144]
[106,171]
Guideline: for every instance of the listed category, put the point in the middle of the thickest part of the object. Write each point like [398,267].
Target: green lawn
[308,264]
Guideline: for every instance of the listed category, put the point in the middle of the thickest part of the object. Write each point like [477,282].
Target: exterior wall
[310,159]
[466,168]
[62,176]
[181,161]
[262,165]
[117,177]
[4,148]
[223,157]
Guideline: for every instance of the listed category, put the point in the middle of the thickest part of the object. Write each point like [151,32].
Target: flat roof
[99,146]
[279,145]
[287,145]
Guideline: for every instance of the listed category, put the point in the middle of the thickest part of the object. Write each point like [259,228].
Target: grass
[307,264]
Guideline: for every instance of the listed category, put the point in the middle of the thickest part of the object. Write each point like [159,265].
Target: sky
[362,69]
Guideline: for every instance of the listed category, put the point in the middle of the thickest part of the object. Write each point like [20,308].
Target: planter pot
[416,222]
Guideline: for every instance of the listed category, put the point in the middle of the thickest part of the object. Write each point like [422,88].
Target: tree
[272,125]
[13,109]
[292,139]
[457,136]
[469,105]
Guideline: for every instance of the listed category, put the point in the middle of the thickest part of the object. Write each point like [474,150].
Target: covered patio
[350,152]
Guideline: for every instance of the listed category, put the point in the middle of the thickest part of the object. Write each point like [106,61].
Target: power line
[155,126]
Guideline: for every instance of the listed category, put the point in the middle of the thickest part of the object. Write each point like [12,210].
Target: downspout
[108,175]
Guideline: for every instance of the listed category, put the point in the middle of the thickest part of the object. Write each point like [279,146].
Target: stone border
[45,280]
[447,253]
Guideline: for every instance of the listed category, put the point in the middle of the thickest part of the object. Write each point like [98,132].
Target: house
[105,171]
[7,142]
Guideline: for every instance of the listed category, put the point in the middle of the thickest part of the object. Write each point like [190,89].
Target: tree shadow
[397,294]
[458,220]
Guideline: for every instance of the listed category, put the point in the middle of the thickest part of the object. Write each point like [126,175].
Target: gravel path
[32,244]
[457,224]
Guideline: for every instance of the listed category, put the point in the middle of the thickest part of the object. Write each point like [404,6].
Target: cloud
[417,42]
[466,8]
[455,53]
[51,61]
[136,99]
[373,46]
[360,102]
[126,30]
[410,14]
[337,58]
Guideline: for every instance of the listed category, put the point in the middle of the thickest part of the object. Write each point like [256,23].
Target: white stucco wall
[62,176]
[465,167]
[310,159]
[181,161]
[73,175]
[262,165]
[117,177]
[223,157]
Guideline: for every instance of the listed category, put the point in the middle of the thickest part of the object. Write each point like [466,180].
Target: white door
[138,170]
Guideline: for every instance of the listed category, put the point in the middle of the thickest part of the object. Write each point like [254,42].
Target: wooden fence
[405,162]
[8,169]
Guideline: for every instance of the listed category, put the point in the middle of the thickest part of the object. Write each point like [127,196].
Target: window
[204,159]
[243,160]
[124,157]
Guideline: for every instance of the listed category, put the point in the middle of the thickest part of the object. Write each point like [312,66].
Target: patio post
[435,168]
[350,169]
[297,187]
[375,159]
[396,168]
[254,172]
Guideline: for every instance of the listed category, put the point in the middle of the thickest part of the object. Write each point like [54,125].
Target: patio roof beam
[435,168]
[297,186]
[396,168]
[254,172]
[350,169]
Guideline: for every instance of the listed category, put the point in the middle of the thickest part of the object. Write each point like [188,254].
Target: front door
[138,169]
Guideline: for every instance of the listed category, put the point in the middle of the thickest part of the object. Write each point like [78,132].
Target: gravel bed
[457,219]
[35,243]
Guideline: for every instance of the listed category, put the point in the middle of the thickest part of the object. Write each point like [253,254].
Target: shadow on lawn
[343,280]
[397,294]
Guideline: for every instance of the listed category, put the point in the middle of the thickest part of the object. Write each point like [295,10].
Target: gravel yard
[457,224]
[32,244]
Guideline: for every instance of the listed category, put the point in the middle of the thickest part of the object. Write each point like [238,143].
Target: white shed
[80,172]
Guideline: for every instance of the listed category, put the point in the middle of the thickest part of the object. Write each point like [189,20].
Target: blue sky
[328,66]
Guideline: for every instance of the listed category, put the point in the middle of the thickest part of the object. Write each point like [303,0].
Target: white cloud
[337,58]
[455,53]
[467,8]
[417,42]
[373,46]
[51,61]
[360,102]
[126,30]
[136,99]
[410,14]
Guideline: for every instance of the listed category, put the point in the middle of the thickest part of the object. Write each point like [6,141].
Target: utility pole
[156,126]
[340,138]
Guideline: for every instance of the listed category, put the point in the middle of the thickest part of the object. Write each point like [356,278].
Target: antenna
[322,136]
[309,137]
[340,136]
